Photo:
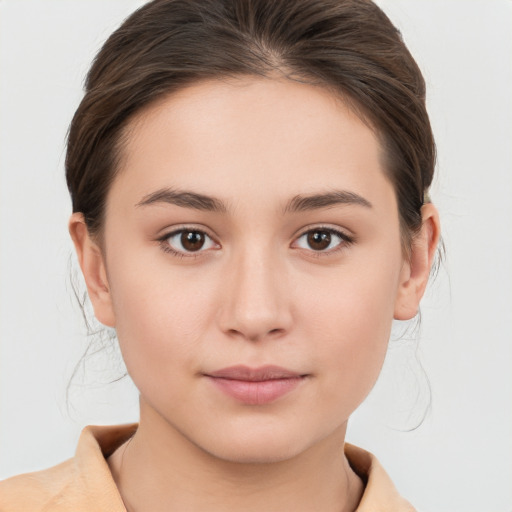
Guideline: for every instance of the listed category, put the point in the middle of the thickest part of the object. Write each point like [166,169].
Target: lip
[256,386]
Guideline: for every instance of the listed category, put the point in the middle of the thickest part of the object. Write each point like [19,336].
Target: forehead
[278,136]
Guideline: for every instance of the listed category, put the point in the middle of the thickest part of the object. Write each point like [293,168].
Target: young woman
[249,181]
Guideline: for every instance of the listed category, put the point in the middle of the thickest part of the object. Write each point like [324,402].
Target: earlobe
[415,272]
[93,267]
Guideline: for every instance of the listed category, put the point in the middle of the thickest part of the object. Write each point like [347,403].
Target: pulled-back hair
[347,46]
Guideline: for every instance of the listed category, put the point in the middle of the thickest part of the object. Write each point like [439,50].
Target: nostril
[255,336]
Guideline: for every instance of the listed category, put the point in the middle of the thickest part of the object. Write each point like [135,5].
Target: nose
[256,301]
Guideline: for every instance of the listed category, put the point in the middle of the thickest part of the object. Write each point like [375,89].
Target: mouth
[256,386]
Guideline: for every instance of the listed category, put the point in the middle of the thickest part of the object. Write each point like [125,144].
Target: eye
[322,240]
[187,241]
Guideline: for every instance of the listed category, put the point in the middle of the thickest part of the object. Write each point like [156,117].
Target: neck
[160,469]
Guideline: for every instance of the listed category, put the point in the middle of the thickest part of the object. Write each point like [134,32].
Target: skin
[256,294]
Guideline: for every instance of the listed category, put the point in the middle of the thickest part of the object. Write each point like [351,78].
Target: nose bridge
[255,305]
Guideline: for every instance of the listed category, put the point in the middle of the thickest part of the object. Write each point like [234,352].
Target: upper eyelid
[168,232]
[167,247]
[346,240]
[325,227]
[163,240]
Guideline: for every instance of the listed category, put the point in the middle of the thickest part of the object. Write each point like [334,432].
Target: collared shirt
[85,484]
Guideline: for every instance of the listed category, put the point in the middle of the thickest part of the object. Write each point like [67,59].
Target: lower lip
[257,393]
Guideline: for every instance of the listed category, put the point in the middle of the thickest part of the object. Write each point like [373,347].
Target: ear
[93,267]
[415,272]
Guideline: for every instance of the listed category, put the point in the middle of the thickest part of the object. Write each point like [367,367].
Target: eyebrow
[298,203]
[302,203]
[184,199]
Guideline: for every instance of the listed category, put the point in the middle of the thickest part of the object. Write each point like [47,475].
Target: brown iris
[319,240]
[192,240]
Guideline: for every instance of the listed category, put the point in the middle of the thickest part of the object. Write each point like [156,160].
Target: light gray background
[460,458]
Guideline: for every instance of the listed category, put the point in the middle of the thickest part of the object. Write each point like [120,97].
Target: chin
[258,446]
[255,453]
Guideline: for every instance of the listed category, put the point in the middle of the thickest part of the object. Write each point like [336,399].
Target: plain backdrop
[460,458]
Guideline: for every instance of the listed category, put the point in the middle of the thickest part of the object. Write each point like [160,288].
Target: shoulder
[83,483]
[36,491]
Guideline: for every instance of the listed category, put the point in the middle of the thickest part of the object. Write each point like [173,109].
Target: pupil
[319,240]
[192,240]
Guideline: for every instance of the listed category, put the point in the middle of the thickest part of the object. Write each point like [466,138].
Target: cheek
[351,320]
[161,317]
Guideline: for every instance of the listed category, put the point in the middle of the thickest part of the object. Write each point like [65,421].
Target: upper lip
[268,372]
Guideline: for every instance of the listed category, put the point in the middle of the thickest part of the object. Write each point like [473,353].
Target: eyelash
[166,247]
[345,240]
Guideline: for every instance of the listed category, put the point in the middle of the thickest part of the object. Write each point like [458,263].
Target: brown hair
[349,46]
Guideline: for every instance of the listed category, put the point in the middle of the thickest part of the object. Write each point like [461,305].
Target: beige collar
[85,483]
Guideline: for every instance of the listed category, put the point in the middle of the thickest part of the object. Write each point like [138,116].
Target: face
[252,265]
